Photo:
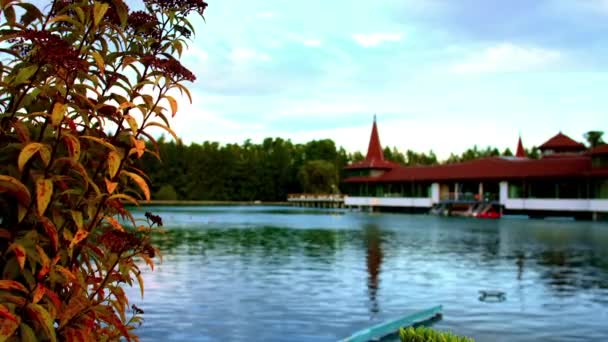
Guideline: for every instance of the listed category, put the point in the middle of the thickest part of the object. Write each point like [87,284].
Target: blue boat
[384,329]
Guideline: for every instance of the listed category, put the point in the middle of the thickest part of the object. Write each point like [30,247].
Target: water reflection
[311,277]
[374,262]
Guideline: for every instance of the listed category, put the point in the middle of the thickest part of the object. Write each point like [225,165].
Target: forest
[267,171]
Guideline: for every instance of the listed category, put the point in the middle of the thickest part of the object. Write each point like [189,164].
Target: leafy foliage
[424,334]
[81,83]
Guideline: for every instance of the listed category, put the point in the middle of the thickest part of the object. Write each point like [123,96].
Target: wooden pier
[316,200]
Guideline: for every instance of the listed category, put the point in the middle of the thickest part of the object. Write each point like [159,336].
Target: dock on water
[378,331]
[316,200]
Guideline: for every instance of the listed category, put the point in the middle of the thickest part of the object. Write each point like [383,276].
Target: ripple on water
[276,274]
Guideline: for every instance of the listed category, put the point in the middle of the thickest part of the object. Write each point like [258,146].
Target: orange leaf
[73,146]
[140,182]
[44,190]
[26,153]
[81,234]
[139,146]
[16,188]
[38,293]
[51,231]
[54,298]
[65,272]
[19,253]
[113,163]
[9,323]
[114,223]
[6,314]
[110,186]
[12,285]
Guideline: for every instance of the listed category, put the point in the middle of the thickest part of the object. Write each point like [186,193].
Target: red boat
[490,214]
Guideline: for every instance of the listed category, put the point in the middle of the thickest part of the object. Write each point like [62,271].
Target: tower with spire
[374,163]
[521,152]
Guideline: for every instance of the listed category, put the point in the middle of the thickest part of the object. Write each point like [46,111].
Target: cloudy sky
[440,74]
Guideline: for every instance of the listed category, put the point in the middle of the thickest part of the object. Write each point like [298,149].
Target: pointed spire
[521,153]
[374,151]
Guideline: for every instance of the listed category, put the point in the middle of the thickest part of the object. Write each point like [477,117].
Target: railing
[315,198]
[469,196]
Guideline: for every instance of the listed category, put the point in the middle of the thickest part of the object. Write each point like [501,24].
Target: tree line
[268,171]
[271,170]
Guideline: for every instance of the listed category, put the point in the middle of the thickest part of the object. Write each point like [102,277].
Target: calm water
[279,274]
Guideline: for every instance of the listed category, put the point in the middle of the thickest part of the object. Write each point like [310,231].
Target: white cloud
[312,42]
[375,39]
[507,57]
[244,55]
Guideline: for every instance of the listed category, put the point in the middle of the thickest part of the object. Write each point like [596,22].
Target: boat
[378,331]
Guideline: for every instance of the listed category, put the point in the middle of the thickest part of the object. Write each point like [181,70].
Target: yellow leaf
[166,128]
[45,154]
[15,188]
[73,146]
[141,284]
[44,190]
[113,163]
[77,217]
[99,141]
[26,153]
[173,104]
[21,212]
[141,183]
[99,61]
[132,123]
[19,252]
[99,11]
[58,113]
[110,186]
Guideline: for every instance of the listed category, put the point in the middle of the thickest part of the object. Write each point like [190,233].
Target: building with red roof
[567,179]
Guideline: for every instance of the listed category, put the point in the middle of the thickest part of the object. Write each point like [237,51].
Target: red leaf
[12,285]
[19,253]
[51,231]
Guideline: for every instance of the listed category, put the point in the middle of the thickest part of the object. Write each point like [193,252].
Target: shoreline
[211,203]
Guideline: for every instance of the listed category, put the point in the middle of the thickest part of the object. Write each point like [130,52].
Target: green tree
[166,193]
[318,177]
[594,138]
[81,84]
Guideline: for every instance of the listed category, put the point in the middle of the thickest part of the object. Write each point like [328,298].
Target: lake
[295,274]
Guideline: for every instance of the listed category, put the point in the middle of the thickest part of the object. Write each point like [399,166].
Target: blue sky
[441,75]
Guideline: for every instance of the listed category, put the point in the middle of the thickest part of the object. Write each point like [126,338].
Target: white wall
[422,202]
[598,205]
[435,193]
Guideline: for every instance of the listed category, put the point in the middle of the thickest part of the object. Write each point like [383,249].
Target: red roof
[375,157]
[495,168]
[601,149]
[521,153]
[562,142]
